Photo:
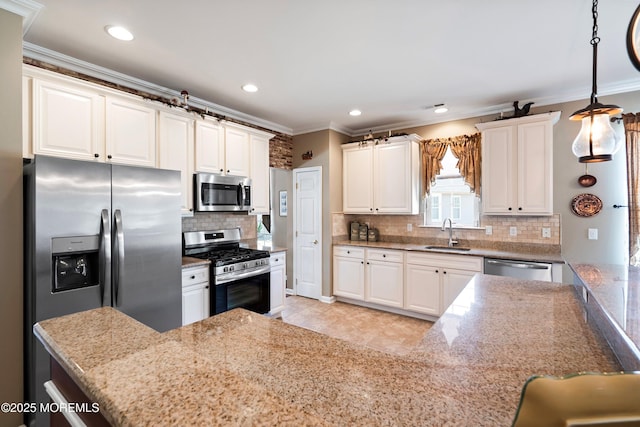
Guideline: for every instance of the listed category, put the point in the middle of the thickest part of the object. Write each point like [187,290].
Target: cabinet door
[357,170]
[453,282]
[236,147]
[385,283]
[392,178]
[209,147]
[278,282]
[195,303]
[176,152]
[259,162]
[348,277]
[422,292]
[68,121]
[130,133]
[498,171]
[535,171]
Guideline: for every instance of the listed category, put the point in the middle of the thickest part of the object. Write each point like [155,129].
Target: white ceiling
[316,60]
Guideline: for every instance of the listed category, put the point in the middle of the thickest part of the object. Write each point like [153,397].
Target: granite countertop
[521,252]
[243,368]
[188,262]
[262,245]
[615,289]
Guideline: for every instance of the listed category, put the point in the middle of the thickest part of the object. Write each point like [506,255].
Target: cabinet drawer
[387,255]
[277,258]
[348,251]
[191,276]
[460,262]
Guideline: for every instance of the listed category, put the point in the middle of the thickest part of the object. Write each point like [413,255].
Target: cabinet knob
[109,157]
[221,170]
[193,277]
[206,287]
[228,171]
[519,209]
[436,271]
[362,262]
[444,272]
[377,209]
[509,208]
[371,209]
[384,255]
[368,263]
[96,155]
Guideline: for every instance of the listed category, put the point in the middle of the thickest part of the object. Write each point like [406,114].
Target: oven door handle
[239,276]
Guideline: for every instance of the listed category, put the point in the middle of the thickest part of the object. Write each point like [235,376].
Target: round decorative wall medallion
[586,204]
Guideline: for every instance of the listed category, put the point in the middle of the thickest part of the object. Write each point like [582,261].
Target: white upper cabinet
[130,132]
[517,165]
[67,120]
[236,143]
[176,142]
[381,177]
[259,172]
[209,147]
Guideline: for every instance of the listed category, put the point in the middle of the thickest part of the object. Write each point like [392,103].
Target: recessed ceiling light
[250,87]
[440,108]
[355,113]
[119,33]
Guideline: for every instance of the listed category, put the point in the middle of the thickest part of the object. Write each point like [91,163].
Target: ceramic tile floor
[380,330]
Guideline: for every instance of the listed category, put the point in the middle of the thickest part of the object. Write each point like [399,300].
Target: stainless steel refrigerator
[98,234]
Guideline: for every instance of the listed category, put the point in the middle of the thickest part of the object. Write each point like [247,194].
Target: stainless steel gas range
[240,277]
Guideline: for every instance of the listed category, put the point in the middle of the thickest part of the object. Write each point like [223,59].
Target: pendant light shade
[597,140]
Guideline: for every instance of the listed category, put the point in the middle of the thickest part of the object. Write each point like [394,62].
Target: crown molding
[28,9]
[40,53]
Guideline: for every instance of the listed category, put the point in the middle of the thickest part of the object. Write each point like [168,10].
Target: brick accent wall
[281,152]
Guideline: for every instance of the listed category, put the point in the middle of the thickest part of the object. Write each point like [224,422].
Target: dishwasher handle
[519,264]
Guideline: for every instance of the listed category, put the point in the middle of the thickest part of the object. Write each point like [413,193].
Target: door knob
[315,242]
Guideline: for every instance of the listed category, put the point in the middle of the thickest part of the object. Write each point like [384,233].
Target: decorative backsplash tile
[201,221]
[394,227]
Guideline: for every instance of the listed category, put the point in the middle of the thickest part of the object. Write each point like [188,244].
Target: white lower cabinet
[433,281]
[372,275]
[278,280]
[348,272]
[384,278]
[195,294]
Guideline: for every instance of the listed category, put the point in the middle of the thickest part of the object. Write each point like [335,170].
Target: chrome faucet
[444,227]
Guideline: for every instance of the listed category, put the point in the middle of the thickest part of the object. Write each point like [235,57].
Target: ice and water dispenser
[76,262]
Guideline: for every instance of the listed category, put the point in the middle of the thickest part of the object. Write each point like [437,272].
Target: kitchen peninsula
[243,368]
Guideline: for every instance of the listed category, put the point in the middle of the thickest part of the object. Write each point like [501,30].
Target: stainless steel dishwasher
[527,270]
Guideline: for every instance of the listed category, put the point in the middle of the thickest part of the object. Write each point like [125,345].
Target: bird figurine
[521,112]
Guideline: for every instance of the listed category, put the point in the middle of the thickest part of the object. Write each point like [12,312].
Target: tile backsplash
[394,227]
[201,221]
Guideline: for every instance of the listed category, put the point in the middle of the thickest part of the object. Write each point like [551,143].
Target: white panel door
[130,133]
[209,147]
[259,163]
[308,232]
[348,277]
[67,121]
[358,180]
[176,152]
[236,147]
[422,292]
[535,171]
[385,283]
[392,178]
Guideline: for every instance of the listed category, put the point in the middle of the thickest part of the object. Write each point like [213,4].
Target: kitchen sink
[447,248]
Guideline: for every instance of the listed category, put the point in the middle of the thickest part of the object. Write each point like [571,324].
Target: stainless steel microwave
[222,193]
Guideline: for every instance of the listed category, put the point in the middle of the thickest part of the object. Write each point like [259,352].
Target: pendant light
[597,140]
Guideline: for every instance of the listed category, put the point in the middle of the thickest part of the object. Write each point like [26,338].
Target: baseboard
[328,300]
[394,310]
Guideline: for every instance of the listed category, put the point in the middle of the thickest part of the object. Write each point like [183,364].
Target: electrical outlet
[409,227]
[488,230]
[593,234]
[546,232]
[513,231]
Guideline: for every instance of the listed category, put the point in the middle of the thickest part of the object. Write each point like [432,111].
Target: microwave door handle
[118,271]
[105,256]
[243,195]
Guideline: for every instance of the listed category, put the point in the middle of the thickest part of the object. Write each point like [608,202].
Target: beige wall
[11,357]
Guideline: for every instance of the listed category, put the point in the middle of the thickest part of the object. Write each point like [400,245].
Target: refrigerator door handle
[105,257]
[118,270]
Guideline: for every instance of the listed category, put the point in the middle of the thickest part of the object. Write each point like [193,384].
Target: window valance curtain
[632,137]
[466,148]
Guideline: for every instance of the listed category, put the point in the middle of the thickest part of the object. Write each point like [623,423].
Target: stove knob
[257,262]
[263,262]
[226,269]
[245,265]
[231,268]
